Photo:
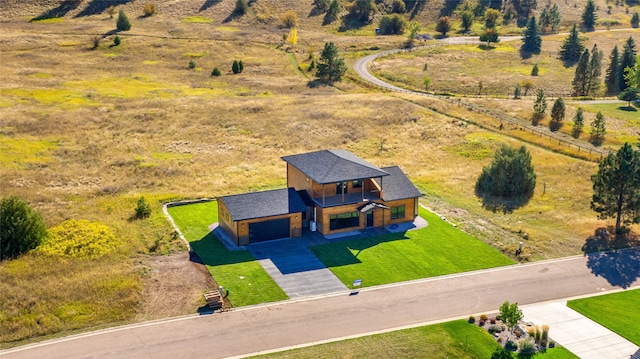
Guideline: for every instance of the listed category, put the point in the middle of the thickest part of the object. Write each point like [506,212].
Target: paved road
[262,328]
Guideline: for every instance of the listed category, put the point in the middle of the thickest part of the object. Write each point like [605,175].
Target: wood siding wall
[226,222]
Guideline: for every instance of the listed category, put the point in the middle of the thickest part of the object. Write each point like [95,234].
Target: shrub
[471,319]
[192,64]
[545,334]
[492,320]
[534,70]
[290,19]
[95,42]
[392,24]
[527,347]
[149,9]
[484,317]
[116,40]
[481,323]
[123,23]
[216,72]
[552,344]
[495,329]
[21,228]
[235,68]
[80,239]
[143,209]
[511,346]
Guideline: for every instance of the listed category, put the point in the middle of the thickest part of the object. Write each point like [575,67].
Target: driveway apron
[295,268]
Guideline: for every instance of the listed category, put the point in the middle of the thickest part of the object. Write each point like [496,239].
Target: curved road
[290,323]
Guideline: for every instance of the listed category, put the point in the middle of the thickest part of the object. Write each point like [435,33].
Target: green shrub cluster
[21,228]
[123,23]
[143,209]
[80,239]
[392,25]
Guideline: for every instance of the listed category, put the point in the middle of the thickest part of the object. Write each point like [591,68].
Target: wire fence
[503,118]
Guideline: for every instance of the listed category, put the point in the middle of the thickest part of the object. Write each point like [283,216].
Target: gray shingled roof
[331,166]
[397,185]
[263,204]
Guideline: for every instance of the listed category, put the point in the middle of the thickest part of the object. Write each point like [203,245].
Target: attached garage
[268,230]
[261,216]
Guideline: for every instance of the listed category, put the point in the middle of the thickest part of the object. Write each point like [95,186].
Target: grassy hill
[85,132]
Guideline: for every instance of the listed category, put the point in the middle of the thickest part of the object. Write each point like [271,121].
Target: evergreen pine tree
[612,78]
[578,123]
[589,16]
[579,83]
[572,47]
[235,68]
[557,114]
[594,70]
[554,15]
[598,129]
[531,40]
[628,59]
[635,20]
[123,23]
[539,107]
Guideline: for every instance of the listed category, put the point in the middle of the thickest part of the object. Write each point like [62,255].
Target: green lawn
[433,341]
[435,250]
[618,312]
[237,271]
[617,110]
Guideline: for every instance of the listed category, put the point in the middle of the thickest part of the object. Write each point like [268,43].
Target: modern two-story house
[329,191]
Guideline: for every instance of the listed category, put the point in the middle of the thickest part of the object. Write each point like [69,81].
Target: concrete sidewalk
[579,334]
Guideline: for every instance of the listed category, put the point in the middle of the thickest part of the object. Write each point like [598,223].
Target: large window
[397,212]
[344,220]
[356,184]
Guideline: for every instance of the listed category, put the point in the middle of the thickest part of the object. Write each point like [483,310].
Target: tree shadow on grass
[504,205]
[628,108]
[611,257]
[208,3]
[59,11]
[99,6]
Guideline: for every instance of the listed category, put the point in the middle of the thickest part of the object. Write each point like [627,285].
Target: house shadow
[210,251]
[59,11]
[341,253]
[208,3]
[612,258]
[95,7]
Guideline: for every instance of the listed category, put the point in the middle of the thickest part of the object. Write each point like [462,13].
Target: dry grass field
[84,133]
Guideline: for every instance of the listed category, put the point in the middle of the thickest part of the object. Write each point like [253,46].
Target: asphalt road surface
[262,328]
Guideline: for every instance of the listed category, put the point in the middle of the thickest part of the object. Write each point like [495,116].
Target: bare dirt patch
[173,286]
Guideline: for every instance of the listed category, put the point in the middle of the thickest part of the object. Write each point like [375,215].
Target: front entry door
[369,219]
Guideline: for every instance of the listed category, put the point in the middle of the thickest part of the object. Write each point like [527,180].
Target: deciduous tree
[510,314]
[629,94]
[491,17]
[489,36]
[21,228]
[632,74]
[616,187]
[467,18]
[443,26]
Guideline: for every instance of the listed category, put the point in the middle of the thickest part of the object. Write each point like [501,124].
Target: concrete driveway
[582,336]
[295,268]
